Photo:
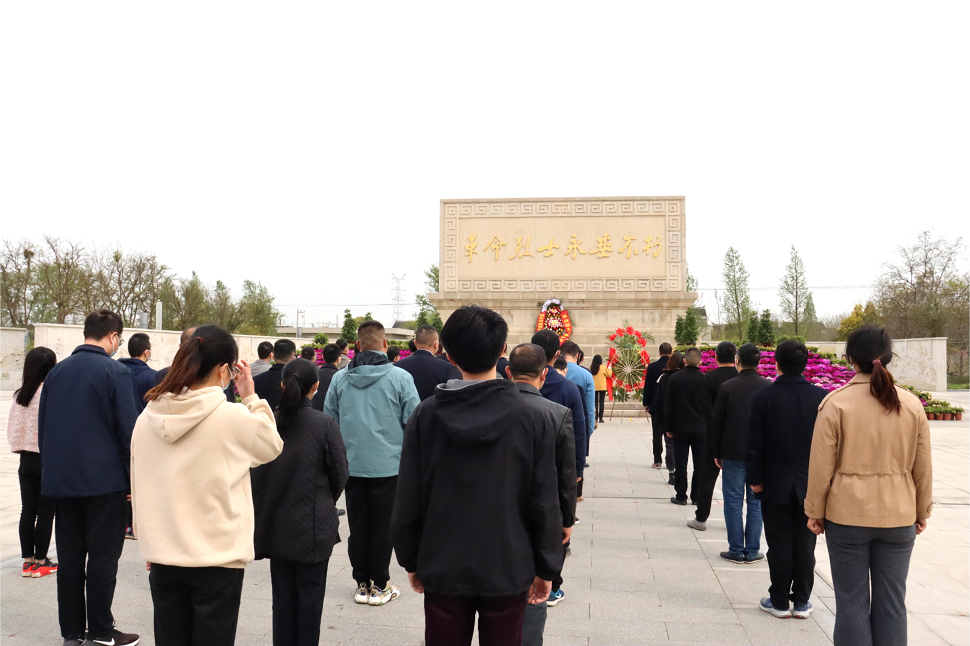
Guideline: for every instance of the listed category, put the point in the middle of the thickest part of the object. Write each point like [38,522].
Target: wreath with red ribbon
[628,359]
[555,317]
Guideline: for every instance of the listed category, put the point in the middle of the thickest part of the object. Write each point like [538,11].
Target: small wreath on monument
[555,317]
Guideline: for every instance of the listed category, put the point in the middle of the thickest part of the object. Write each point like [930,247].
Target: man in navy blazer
[423,366]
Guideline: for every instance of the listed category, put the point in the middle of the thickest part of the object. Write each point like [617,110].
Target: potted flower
[930,412]
[957,413]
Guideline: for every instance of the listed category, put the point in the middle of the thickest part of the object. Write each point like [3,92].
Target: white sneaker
[380,597]
[363,593]
[699,525]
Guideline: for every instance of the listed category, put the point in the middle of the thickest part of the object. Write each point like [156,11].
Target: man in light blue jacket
[584,379]
[371,401]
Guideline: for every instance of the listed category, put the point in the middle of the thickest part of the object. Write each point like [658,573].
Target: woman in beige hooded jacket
[870,490]
[191,452]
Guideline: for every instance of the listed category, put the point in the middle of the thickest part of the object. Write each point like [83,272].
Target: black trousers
[369,505]
[600,404]
[660,441]
[91,528]
[36,511]
[195,606]
[298,591]
[696,446]
[706,473]
[450,621]
[557,580]
[791,551]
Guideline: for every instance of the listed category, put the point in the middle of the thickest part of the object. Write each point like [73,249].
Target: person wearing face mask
[139,354]
[87,412]
[191,455]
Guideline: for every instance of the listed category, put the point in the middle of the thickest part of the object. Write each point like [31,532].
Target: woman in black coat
[675,363]
[295,499]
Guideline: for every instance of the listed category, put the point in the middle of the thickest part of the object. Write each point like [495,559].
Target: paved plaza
[637,574]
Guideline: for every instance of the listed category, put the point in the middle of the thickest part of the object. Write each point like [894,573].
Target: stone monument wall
[611,261]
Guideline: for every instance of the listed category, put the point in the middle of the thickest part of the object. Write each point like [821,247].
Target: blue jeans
[744,538]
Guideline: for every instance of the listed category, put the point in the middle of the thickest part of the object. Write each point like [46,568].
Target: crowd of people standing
[224,462]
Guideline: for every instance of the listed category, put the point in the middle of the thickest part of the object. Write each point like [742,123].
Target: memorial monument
[609,261]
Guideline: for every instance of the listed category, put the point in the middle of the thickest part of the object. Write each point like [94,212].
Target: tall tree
[427,312]
[185,302]
[223,309]
[737,296]
[127,283]
[687,328]
[793,291]
[754,329]
[766,330]
[349,331]
[859,316]
[256,311]
[690,282]
[65,277]
[18,282]
[810,318]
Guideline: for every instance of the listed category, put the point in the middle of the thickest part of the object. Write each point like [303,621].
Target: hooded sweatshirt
[190,490]
[477,503]
[372,401]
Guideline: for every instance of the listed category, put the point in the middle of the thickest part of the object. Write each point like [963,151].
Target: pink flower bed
[820,371]
[350,353]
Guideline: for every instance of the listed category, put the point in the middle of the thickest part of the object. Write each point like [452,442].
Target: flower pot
[931,416]
[947,416]
[959,417]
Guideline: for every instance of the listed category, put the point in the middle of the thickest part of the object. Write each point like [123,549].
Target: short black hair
[283,349]
[411,346]
[264,349]
[665,348]
[393,352]
[425,334]
[726,352]
[527,360]
[101,323]
[475,337]
[309,353]
[138,344]
[791,356]
[693,356]
[331,353]
[342,344]
[560,364]
[570,349]
[548,341]
[749,355]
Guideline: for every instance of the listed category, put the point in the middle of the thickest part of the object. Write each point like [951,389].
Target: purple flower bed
[318,354]
[820,371]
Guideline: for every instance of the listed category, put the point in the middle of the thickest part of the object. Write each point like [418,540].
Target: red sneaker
[27,567]
[43,569]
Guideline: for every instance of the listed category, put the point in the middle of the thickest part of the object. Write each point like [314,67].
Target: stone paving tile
[637,574]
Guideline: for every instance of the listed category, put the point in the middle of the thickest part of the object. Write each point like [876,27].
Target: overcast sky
[306,145]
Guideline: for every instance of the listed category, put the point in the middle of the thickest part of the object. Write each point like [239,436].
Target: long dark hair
[675,362]
[298,379]
[37,364]
[594,367]
[209,347]
[871,348]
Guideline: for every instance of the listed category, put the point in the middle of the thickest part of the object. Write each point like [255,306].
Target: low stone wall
[62,339]
[920,363]
[12,343]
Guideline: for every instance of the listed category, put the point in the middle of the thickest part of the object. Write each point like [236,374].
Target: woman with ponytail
[191,455]
[296,514]
[870,490]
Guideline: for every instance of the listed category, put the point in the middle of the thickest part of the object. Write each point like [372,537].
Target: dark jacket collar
[420,350]
[329,366]
[132,361]
[277,366]
[87,347]
[528,389]
[553,376]
[692,368]
[791,379]
[749,373]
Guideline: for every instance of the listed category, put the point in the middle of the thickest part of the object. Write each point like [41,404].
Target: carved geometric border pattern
[671,209]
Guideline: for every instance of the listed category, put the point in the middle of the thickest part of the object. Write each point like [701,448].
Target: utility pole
[299,329]
[158,315]
[398,297]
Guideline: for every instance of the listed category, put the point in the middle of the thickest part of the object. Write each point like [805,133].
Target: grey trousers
[860,555]
[534,625]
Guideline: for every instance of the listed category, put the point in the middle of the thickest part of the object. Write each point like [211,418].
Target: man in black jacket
[687,413]
[729,444]
[706,473]
[331,356]
[87,413]
[780,429]
[426,372]
[471,541]
[269,385]
[528,368]
[654,370]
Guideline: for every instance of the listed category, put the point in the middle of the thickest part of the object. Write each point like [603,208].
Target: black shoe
[678,501]
[733,558]
[587,465]
[754,559]
[670,480]
[341,512]
[74,641]
[117,638]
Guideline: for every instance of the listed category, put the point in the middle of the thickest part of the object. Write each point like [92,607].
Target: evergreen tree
[810,318]
[737,296]
[689,328]
[794,292]
[679,330]
[349,331]
[223,309]
[766,331]
[754,329]
[256,311]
